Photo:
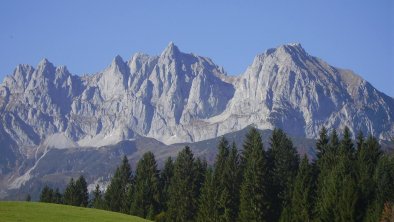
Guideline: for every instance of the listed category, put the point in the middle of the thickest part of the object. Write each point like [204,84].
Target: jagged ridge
[180,97]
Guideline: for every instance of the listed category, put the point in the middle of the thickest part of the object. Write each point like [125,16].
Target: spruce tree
[226,181]
[334,142]
[146,190]
[182,203]
[322,142]
[207,211]
[229,199]
[97,201]
[220,162]
[337,189]
[165,180]
[384,187]
[70,194]
[368,155]
[360,141]
[345,185]
[219,180]
[254,204]
[284,160]
[57,197]
[301,206]
[251,139]
[117,195]
[81,189]
[346,145]
[46,194]
[326,188]
[199,171]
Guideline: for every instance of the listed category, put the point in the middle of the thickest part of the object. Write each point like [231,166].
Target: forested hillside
[348,181]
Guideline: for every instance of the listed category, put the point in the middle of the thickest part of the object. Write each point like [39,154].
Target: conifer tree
[254,204]
[284,160]
[327,159]
[221,158]
[182,203]
[207,211]
[345,185]
[57,197]
[337,196]
[360,141]
[334,142]
[117,195]
[229,199]
[165,180]
[219,180]
[368,155]
[70,194]
[199,171]
[322,142]
[301,208]
[146,190]
[97,201]
[81,189]
[346,145]
[384,187]
[76,193]
[251,139]
[46,194]
[326,188]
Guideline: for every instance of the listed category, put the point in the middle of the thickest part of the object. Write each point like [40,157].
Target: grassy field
[43,212]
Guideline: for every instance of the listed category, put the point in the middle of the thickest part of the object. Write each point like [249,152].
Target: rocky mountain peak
[44,63]
[171,51]
[180,97]
[118,60]
[44,69]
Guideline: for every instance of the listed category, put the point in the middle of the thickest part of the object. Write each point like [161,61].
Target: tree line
[347,181]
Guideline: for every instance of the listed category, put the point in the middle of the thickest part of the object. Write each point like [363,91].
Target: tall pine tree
[207,211]
[346,145]
[384,187]
[46,195]
[283,161]
[254,203]
[220,197]
[70,194]
[97,201]
[81,189]
[166,175]
[301,206]
[146,191]
[229,199]
[337,192]
[368,155]
[322,142]
[182,204]
[117,196]
[219,180]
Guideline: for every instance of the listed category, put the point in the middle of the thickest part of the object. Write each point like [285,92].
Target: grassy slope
[43,212]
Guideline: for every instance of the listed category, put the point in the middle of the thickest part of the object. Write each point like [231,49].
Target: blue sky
[87,35]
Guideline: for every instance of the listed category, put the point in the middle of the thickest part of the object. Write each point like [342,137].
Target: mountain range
[175,98]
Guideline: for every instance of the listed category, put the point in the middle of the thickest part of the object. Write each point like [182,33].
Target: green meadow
[45,212]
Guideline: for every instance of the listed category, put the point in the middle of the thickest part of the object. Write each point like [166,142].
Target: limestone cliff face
[179,97]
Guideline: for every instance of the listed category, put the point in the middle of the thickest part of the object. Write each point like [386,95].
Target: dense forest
[347,181]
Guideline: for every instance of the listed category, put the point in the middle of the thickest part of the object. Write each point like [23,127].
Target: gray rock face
[178,97]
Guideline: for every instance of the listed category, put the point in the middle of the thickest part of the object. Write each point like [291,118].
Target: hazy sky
[86,35]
